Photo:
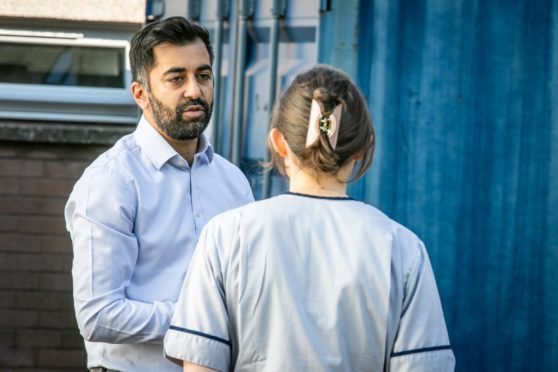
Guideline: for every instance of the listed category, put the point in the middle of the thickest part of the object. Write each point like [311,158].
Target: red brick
[65,169]
[62,358]
[72,340]
[19,318]
[45,187]
[21,168]
[6,338]
[60,151]
[7,150]
[8,224]
[38,338]
[46,225]
[55,282]
[41,153]
[57,244]
[17,358]
[64,152]
[85,153]
[9,186]
[10,205]
[32,224]
[35,262]
[20,243]
[18,280]
[7,300]
[57,319]
[44,300]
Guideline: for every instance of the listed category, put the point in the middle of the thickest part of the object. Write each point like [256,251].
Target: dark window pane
[62,65]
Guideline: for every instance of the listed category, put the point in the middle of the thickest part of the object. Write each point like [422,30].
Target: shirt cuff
[436,359]
[198,348]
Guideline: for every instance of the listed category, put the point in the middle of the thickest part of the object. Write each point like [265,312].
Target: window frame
[67,103]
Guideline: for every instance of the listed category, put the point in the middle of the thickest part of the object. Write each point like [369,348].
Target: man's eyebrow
[203,68]
[174,70]
[177,70]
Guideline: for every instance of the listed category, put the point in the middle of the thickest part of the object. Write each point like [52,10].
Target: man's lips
[194,111]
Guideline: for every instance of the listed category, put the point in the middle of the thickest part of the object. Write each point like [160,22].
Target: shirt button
[198,215]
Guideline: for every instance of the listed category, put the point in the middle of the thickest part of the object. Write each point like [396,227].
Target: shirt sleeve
[421,343]
[199,331]
[100,216]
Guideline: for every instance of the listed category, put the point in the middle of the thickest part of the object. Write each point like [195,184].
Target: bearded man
[136,213]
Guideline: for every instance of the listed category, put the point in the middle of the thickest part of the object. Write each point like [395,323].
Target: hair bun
[326,99]
[329,87]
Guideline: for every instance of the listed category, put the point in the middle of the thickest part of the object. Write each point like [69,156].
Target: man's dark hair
[173,30]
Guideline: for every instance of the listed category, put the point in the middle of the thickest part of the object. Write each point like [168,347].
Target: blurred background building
[464,96]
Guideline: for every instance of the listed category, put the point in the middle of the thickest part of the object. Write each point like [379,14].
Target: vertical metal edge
[222,15]
[278,11]
[244,14]
[194,10]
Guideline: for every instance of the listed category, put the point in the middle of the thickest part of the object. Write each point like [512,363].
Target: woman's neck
[317,184]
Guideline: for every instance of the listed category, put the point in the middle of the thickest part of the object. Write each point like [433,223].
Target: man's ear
[278,142]
[140,95]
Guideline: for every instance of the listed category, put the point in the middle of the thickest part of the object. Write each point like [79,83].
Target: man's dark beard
[172,123]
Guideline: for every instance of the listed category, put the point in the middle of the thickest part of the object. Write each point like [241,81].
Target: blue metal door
[465,100]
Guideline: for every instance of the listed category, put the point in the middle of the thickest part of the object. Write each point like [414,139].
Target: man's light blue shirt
[135,217]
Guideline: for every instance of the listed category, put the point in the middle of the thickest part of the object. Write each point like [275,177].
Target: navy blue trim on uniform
[211,337]
[319,197]
[423,350]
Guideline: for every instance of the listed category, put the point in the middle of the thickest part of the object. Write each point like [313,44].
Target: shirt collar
[205,148]
[159,151]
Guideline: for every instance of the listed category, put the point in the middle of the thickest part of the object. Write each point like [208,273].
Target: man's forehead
[191,56]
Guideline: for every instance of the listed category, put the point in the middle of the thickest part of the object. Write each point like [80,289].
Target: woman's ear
[359,155]
[278,142]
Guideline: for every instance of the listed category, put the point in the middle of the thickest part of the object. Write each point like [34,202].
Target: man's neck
[185,148]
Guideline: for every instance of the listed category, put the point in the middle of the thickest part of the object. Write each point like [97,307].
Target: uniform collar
[159,151]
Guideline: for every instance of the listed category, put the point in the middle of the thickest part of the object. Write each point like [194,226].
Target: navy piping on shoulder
[423,350]
[319,197]
[211,337]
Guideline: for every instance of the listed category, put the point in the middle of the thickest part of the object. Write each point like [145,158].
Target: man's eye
[205,76]
[176,79]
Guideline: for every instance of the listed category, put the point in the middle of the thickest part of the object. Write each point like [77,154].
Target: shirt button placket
[194,198]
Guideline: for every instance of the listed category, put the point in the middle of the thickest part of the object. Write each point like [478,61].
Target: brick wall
[38,330]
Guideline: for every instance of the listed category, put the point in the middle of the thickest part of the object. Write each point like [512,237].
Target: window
[64,77]
[62,65]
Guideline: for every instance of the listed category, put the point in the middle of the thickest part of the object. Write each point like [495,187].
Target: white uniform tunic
[301,283]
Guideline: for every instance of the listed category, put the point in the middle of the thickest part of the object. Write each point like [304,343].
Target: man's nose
[193,89]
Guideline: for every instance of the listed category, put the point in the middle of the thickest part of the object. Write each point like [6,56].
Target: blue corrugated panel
[464,97]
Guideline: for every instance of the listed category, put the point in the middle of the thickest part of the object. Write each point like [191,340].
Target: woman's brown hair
[329,87]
